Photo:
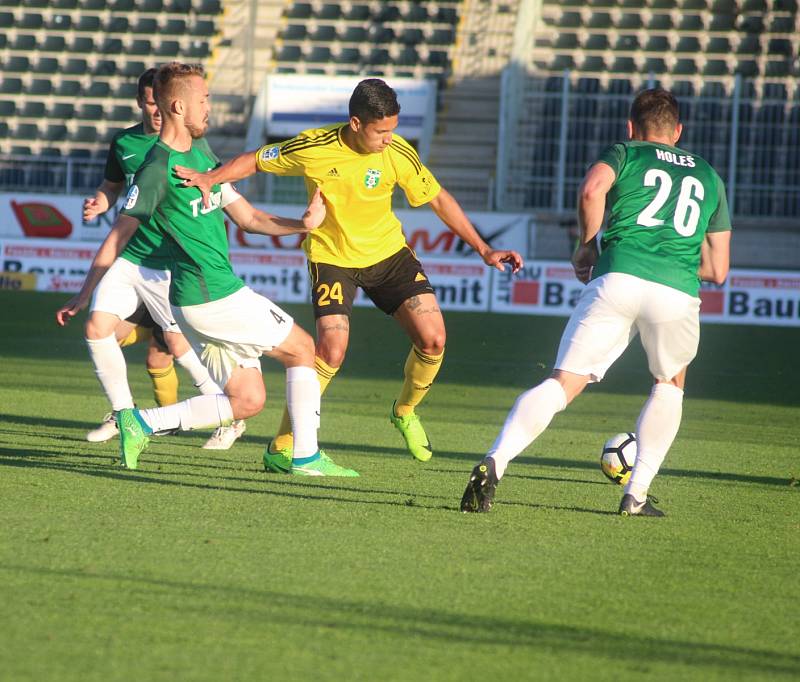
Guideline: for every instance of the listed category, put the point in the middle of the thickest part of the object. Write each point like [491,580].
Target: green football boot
[414,435]
[319,464]
[279,462]
[132,438]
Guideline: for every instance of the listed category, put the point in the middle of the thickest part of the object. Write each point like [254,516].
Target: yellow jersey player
[357,165]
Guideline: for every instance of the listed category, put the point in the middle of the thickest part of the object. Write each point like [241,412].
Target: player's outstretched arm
[451,214]
[715,257]
[255,221]
[243,166]
[104,198]
[109,250]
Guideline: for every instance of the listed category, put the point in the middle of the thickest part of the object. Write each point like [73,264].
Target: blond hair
[170,79]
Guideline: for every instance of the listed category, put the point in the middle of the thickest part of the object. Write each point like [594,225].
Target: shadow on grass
[409,622]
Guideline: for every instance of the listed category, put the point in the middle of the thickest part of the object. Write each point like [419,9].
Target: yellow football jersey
[360,228]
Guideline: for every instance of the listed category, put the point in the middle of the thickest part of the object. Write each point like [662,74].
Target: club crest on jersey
[372,178]
[270,153]
[133,195]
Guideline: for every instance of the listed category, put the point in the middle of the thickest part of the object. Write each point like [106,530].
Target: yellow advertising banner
[18,281]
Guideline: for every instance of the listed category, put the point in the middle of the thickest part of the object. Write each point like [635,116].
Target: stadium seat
[104,67]
[388,12]
[74,67]
[747,68]
[691,22]
[329,12]
[62,110]
[682,89]
[625,43]
[26,131]
[117,24]
[630,21]
[566,41]
[17,64]
[561,62]
[53,43]
[174,28]
[749,45]
[145,25]
[198,49]
[11,86]
[357,12]
[178,6]
[354,34]
[59,22]
[600,20]
[23,42]
[88,23]
[718,45]
[122,5]
[781,24]
[45,65]
[7,108]
[6,19]
[289,53]
[168,49]
[778,68]
[348,55]
[688,44]
[408,56]
[446,15]
[685,67]
[654,65]
[295,32]
[85,134]
[31,21]
[127,91]
[755,6]
[693,5]
[203,28]
[324,33]
[416,13]
[724,7]
[722,22]
[122,113]
[660,22]
[411,36]
[623,65]
[751,23]
[68,88]
[380,35]
[32,109]
[570,20]
[81,45]
[150,6]
[598,41]
[441,36]
[139,47]
[209,7]
[40,87]
[378,56]
[97,89]
[299,10]
[593,64]
[780,46]
[619,86]
[111,46]
[658,44]
[64,4]
[319,54]
[715,67]
[96,5]
[133,69]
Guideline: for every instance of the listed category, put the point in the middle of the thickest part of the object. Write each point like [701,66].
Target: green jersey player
[668,228]
[228,323]
[139,278]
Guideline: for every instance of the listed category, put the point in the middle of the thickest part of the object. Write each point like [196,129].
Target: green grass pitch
[200,566]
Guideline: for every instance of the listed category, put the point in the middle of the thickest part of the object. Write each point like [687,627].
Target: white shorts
[234,331]
[613,309]
[126,286]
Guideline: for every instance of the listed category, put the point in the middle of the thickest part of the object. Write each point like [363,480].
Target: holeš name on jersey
[675,159]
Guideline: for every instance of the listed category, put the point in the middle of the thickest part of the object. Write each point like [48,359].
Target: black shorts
[141,318]
[387,283]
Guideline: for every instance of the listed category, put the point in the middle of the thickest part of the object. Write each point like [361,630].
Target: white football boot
[225,436]
[106,431]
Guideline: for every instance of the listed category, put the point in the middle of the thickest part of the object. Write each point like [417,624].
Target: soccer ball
[618,457]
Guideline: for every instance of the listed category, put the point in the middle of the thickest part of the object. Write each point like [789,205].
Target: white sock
[302,400]
[657,427]
[197,370]
[111,371]
[531,414]
[202,411]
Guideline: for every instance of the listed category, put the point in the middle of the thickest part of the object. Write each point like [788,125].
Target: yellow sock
[420,371]
[137,335]
[284,438]
[165,385]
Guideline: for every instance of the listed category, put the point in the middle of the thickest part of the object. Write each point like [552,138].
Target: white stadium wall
[45,246]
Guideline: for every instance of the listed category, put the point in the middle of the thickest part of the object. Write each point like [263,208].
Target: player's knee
[331,355]
[95,329]
[248,404]
[433,343]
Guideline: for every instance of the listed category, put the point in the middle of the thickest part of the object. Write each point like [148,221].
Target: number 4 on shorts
[278,318]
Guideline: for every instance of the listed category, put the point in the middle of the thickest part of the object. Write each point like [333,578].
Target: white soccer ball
[618,457]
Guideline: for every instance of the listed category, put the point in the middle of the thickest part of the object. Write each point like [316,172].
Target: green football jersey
[194,236]
[128,150]
[662,203]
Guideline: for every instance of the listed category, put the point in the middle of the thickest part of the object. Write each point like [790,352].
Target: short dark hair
[168,79]
[654,110]
[373,100]
[145,81]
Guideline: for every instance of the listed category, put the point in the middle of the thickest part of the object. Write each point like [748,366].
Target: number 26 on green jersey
[687,210]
